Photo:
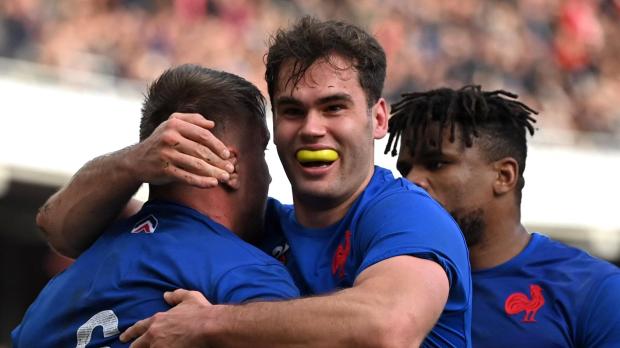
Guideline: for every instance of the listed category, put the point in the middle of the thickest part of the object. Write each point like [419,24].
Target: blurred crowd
[560,56]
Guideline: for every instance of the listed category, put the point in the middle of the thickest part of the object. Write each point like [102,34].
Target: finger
[194,118]
[137,329]
[204,137]
[177,296]
[217,166]
[140,342]
[192,179]
[233,159]
[179,165]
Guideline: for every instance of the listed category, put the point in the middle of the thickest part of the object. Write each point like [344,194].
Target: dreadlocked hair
[496,118]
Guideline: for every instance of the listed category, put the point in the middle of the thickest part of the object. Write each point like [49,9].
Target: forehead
[331,73]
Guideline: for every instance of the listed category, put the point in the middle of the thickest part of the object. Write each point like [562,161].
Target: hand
[179,327]
[181,149]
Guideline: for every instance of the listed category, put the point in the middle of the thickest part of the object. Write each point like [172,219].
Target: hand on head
[181,149]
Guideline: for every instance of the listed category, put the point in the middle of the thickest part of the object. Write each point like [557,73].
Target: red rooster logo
[341,254]
[519,302]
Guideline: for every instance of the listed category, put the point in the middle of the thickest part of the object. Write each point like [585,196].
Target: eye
[335,108]
[435,164]
[292,112]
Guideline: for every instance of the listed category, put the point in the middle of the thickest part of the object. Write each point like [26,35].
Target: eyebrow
[287,100]
[335,97]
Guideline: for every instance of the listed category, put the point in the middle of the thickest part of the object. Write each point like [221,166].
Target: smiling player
[389,261]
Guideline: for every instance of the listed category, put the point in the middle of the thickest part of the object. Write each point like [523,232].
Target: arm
[75,216]
[392,303]
[178,150]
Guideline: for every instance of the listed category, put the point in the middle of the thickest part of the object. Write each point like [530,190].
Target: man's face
[458,177]
[327,109]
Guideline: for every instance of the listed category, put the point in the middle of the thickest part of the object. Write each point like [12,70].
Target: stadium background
[72,74]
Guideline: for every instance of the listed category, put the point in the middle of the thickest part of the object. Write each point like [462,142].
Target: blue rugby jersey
[550,295]
[392,217]
[122,277]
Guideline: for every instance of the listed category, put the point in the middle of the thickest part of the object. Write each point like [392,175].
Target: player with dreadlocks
[467,148]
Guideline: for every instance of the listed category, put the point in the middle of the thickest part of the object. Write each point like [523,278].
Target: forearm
[394,303]
[339,319]
[354,317]
[75,216]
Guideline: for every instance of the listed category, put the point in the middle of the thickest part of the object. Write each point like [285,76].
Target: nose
[313,125]
[418,176]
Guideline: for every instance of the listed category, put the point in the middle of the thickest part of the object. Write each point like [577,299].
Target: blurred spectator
[560,55]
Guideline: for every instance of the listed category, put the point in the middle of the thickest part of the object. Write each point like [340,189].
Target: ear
[380,119]
[507,171]
[233,182]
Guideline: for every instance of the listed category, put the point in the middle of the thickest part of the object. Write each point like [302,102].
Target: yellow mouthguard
[326,155]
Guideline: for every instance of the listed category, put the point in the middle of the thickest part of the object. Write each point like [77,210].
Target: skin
[181,149]
[327,109]
[388,305]
[347,318]
[239,203]
[251,179]
[479,193]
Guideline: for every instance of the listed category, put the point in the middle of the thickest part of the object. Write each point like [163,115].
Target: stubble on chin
[472,225]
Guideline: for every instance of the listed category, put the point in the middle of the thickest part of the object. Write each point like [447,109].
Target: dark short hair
[224,98]
[310,39]
[495,118]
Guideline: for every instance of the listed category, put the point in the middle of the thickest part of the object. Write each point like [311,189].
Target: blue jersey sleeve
[601,323]
[256,282]
[411,223]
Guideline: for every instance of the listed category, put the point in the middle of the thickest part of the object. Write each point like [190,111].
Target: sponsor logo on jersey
[519,302]
[341,255]
[146,225]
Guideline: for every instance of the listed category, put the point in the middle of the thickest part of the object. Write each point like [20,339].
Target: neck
[504,238]
[216,203]
[315,211]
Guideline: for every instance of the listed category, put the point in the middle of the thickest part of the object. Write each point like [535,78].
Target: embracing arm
[75,216]
[178,150]
[393,303]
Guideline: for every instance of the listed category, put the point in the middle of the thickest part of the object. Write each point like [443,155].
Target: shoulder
[598,317]
[399,218]
[571,258]
[590,275]
[403,203]
[181,231]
